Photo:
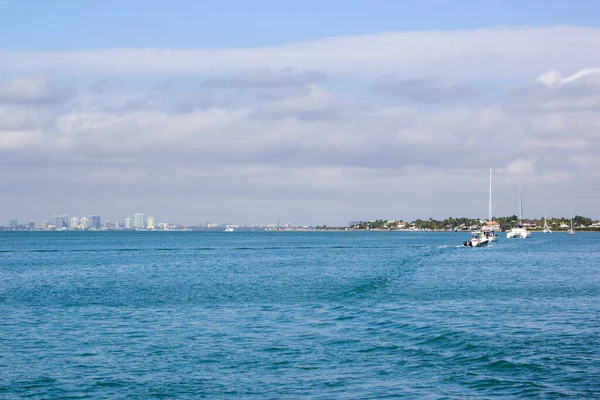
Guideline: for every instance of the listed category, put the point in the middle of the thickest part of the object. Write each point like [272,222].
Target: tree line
[464,223]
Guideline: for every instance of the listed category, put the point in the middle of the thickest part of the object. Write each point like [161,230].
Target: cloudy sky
[314,112]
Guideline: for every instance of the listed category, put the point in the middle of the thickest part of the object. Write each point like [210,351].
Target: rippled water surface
[289,315]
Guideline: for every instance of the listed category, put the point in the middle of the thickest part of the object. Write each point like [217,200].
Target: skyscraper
[12,223]
[150,223]
[128,223]
[74,223]
[95,222]
[61,221]
[138,221]
[84,223]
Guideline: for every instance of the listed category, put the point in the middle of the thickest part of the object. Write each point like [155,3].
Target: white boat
[571,231]
[546,228]
[229,229]
[489,230]
[520,231]
[478,239]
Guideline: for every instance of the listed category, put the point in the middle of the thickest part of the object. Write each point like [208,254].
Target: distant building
[95,222]
[150,223]
[45,224]
[31,225]
[74,223]
[128,223]
[61,221]
[138,221]
[12,223]
[84,223]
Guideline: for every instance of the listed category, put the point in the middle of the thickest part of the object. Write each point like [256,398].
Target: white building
[138,221]
[74,223]
[83,223]
[128,223]
[150,223]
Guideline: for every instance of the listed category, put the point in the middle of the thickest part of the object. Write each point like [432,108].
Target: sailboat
[546,228]
[486,234]
[521,231]
[571,231]
[488,230]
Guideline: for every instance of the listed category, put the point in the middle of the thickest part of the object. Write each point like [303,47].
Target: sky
[312,112]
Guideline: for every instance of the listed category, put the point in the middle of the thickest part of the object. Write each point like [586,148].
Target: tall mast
[520,204]
[490,205]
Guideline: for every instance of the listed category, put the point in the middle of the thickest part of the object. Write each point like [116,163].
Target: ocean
[276,315]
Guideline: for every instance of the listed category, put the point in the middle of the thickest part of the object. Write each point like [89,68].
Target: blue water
[298,315]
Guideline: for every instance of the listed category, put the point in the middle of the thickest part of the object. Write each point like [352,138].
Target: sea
[287,315]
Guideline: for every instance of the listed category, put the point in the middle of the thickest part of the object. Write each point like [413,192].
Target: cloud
[39,89]
[264,78]
[553,78]
[577,92]
[27,118]
[426,90]
[315,105]
[268,85]
[519,167]
[296,130]
[481,53]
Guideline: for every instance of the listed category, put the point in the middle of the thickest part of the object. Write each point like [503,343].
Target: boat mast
[490,205]
[571,217]
[520,206]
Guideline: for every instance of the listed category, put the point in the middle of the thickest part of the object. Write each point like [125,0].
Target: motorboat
[478,239]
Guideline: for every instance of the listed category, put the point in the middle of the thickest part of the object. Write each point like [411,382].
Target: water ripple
[306,315]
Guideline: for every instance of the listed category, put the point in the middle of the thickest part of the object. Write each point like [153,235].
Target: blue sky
[70,24]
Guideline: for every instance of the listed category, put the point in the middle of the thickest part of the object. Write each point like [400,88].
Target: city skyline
[368,111]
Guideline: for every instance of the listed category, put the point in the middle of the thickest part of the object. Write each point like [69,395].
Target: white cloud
[259,133]
[482,53]
[553,78]
[519,167]
[39,89]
